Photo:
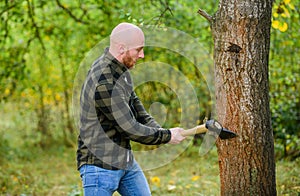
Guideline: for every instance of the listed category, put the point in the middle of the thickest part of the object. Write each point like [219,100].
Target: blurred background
[42,45]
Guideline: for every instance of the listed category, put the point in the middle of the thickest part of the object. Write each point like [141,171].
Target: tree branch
[166,9]
[205,15]
[70,13]
[37,34]
[7,9]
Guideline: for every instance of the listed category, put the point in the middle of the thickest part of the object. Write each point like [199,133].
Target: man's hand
[176,136]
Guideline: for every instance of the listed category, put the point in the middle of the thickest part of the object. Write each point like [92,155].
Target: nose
[141,54]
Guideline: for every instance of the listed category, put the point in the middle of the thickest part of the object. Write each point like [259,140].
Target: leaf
[275,24]
[291,6]
[286,13]
[195,178]
[283,27]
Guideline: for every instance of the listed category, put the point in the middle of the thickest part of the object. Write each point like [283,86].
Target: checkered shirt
[111,115]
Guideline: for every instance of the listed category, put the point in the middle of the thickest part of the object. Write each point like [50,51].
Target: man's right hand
[176,136]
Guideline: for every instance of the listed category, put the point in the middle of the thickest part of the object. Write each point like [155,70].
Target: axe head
[216,127]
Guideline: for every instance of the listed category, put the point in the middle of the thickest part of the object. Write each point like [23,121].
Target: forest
[47,47]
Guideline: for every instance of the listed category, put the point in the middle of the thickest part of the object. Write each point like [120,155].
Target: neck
[115,54]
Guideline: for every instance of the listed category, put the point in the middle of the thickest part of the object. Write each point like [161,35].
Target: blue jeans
[97,181]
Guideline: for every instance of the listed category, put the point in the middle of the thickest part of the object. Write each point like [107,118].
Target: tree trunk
[241,32]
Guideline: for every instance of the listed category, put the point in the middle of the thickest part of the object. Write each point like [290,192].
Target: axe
[210,126]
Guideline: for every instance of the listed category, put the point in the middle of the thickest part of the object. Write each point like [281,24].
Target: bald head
[125,37]
[126,33]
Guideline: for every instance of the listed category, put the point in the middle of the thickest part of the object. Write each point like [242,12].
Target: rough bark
[241,32]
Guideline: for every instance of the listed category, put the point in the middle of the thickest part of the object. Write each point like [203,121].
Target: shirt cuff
[166,136]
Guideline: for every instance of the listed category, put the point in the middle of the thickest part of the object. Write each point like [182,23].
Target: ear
[122,49]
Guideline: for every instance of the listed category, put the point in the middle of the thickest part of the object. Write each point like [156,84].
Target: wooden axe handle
[195,130]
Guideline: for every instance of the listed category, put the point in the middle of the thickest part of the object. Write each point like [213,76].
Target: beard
[128,60]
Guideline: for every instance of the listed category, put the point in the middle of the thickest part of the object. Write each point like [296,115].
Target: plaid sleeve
[113,102]
[141,114]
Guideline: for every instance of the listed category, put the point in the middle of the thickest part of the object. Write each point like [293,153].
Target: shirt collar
[117,65]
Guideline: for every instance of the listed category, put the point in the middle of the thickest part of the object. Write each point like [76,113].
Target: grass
[288,177]
[50,172]
[189,174]
[53,172]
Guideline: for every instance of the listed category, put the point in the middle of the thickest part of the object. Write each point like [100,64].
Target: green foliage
[43,42]
[4,149]
[284,79]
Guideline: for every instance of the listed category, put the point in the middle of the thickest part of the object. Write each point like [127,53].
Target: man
[112,115]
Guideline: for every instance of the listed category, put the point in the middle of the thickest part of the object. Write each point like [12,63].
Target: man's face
[131,56]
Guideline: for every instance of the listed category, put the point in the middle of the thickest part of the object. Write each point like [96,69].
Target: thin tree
[241,33]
